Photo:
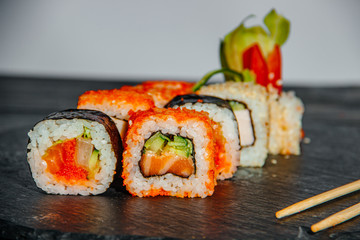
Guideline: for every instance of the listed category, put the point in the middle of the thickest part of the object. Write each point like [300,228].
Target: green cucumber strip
[58,141]
[151,139]
[164,137]
[156,142]
[179,145]
[93,160]
[206,77]
[86,133]
[181,152]
[190,146]
[178,141]
[236,106]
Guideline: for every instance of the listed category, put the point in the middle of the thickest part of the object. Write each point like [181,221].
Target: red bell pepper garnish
[274,68]
[254,60]
[256,49]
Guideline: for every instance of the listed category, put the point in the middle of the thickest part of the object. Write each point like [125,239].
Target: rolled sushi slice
[169,152]
[285,131]
[74,152]
[250,106]
[226,131]
[162,91]
[117,103]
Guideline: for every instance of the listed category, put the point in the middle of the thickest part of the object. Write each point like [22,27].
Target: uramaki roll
[250,105]
[117,103]
[169,152]
[74,152]
[162,91]
[226,131]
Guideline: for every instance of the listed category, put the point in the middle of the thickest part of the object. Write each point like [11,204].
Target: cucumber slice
[58,141]
[178,142]
[189,145]
[160,143]
[236,106]
[94,160]
[184,152]
[86,133]
[165,137]
[156,142]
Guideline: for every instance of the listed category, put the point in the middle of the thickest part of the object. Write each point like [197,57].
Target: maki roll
[250,106]
[285,131]
[117,103]
[74,152]
[162,91]
[225,127]
[169,152]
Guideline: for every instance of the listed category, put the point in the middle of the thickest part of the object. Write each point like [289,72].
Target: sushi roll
[74,152]
[285,131]
[162,91]
[249,102]
[169,152]
[117,103]
[226,132]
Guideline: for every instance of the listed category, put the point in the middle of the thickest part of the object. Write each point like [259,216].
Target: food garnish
[257,49]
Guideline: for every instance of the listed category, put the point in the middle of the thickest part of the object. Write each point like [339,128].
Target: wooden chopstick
[337,218]
[318,199]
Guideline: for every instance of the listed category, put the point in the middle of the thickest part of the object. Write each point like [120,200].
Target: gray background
[172,39]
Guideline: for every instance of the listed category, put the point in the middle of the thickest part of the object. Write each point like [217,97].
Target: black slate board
[241,208]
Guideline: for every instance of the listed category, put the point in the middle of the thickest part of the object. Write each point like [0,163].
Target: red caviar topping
[61,162]
[127,94]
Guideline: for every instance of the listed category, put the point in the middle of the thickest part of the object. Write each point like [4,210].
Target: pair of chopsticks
[332,220]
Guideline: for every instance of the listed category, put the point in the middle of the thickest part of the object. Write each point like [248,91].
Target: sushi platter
[177,159]
[241,206]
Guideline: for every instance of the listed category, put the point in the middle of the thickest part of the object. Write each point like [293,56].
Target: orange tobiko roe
[128,95]
[162,91]
[61,162]
[221,164]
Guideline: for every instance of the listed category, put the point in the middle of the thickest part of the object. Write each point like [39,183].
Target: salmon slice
[61,161]
[152,164]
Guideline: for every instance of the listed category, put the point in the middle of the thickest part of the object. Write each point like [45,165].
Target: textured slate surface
[242,207]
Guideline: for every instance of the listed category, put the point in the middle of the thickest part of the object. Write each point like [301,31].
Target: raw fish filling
[72,160]
[161,155]
[245,124]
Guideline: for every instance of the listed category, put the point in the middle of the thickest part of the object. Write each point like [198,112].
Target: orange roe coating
[180,115]
[220,157]
[163,91]
[126,96]
[61,162]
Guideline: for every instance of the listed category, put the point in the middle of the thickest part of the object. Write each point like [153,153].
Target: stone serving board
[241,208]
